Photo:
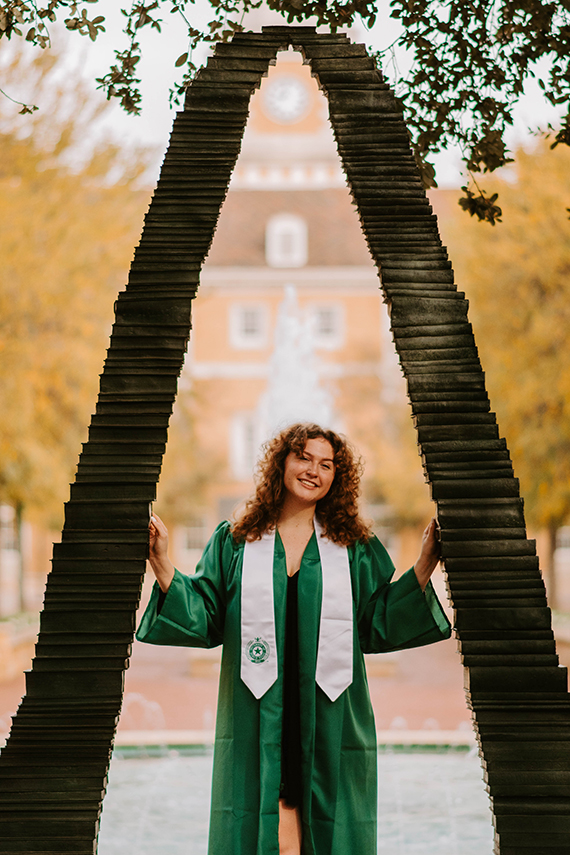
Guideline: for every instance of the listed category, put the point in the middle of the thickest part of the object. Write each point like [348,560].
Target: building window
[248,325]
[190,541]
[286,241]
[196,534]
[327,324]
[245,441]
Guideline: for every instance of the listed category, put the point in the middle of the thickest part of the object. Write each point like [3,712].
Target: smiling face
[308,476]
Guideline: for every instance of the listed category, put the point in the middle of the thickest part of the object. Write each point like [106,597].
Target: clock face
[285,100]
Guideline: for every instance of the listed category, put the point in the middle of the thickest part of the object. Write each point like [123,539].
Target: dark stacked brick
[515,687]
[53,771]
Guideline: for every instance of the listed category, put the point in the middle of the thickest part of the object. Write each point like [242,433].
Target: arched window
[286,241]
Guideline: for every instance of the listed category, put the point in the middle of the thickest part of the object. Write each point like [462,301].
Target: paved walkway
[176,689]
[429,804]
[415,689]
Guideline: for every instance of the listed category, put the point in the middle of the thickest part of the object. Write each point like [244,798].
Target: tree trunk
[18,526]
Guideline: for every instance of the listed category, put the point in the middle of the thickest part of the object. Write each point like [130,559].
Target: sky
[160,50]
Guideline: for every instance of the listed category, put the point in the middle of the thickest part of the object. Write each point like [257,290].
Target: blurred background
[288,325]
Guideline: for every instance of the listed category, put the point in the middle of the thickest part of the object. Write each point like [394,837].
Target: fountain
[294,392]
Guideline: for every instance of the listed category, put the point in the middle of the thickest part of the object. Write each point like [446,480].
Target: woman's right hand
[158,552]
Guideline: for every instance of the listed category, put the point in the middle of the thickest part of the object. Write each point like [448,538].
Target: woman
[296,590]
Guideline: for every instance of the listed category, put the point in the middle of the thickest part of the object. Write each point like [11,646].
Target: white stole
[258,647]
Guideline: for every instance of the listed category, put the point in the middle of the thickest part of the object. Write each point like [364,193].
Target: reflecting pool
[429,802]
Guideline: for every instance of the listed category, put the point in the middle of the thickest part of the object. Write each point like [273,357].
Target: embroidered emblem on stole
[258,648]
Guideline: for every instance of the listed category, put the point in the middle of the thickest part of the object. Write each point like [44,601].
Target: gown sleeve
[393,615]
[192,612]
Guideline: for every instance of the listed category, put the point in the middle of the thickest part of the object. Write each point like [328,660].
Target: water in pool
[429,804]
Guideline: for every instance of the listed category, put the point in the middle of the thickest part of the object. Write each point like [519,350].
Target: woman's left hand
[429,556]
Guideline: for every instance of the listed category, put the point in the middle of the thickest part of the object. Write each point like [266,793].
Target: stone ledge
[174,738]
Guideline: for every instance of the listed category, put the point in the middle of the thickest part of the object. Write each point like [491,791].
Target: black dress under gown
[290,789]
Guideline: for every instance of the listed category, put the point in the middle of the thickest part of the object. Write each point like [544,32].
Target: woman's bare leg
[289,829]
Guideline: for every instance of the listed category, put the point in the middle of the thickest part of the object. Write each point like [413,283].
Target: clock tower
[288,323]
[288,141]
[286,99]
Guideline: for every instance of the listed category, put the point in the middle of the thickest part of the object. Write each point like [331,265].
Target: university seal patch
[258,650]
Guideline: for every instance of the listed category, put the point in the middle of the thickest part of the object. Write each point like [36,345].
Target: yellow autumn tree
[70,215]
[383,432]
[398,474]
[188,470]
[517,279]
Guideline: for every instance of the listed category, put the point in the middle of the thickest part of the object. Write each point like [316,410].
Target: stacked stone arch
[53,771]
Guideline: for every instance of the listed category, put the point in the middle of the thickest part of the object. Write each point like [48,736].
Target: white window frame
[245,443]
[239,337]
[286,241]
[335,339]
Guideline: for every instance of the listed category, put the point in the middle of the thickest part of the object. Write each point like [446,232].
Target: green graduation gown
[339,752]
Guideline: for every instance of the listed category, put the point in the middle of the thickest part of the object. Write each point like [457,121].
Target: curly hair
[337,511]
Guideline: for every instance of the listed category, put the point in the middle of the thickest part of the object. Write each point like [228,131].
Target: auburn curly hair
[337,511]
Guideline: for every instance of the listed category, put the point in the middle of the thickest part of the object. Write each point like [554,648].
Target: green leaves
[480,206]
[563,135]
[121,81]
[333,14]
[471,60]
[427,171]
[85,26]
[35,17]
[488,152]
